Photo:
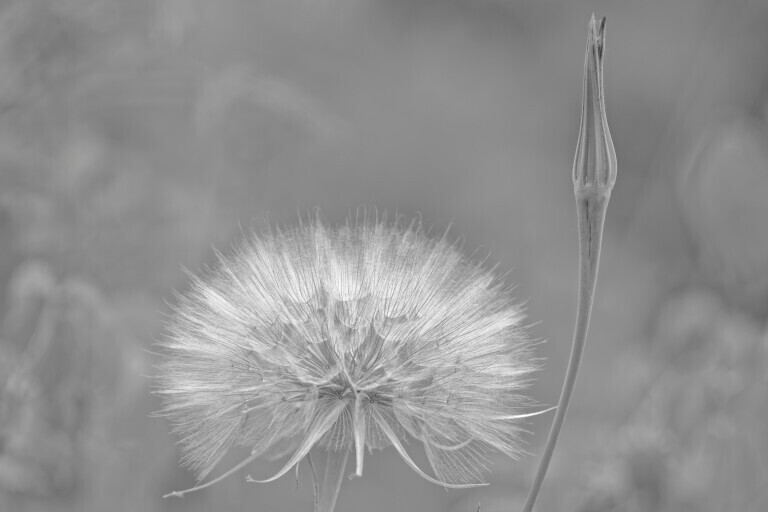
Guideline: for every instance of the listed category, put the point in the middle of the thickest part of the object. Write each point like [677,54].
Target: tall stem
[590,258]
[594,174]
[335,464]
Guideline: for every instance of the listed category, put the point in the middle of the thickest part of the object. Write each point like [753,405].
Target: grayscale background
[137,135]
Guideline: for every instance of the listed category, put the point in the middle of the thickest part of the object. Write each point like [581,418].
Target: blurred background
[137,135]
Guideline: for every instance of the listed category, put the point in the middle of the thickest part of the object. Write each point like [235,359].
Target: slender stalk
[335,464]
[594,174]
[587,279]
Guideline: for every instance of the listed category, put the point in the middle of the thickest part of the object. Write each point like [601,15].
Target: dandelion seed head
[365,335]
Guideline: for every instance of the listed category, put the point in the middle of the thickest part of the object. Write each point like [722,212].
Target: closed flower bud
[362,336]
[594,167]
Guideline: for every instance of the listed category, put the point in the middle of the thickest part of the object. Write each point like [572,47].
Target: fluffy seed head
[364,335]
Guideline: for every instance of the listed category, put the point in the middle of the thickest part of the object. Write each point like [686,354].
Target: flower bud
[594,167]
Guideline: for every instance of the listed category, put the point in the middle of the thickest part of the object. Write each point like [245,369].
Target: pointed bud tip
[597,34]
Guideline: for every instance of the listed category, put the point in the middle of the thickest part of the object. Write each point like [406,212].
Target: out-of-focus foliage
[702,416]
[723,192]
[136,134]
[79,178]
[69,373]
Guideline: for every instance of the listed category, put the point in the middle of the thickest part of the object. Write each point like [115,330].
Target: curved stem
[335,464]
[591,219]
[594,174]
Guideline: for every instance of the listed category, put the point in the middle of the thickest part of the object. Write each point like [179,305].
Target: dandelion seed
[360,336]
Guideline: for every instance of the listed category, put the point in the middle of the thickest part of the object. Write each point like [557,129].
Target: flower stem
[594,174]
[335,464]
[590,256]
